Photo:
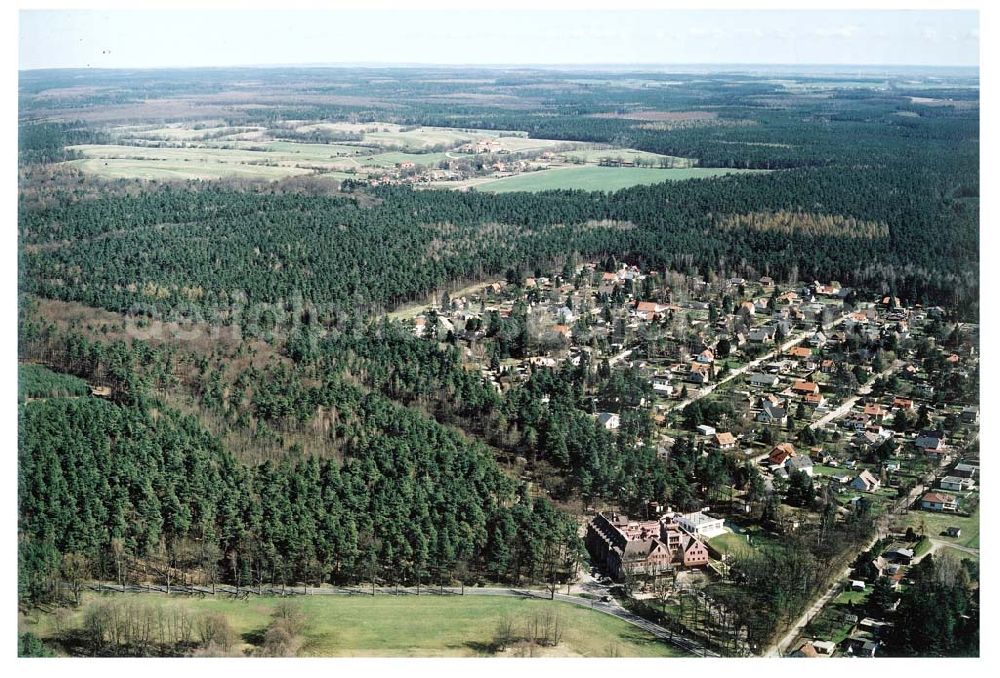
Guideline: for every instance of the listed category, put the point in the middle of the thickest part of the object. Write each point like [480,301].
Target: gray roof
[799,463]
[773,410]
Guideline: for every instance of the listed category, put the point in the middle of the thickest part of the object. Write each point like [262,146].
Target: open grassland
[184,131]
[392,135]
[934,524]
[729,542]
[392,159]
[381,134]
[598,178]
[412,626]
[201,153]
[594,155]
[163,170]
[218,158]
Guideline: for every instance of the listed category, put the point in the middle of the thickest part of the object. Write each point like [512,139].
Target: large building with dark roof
[652,547]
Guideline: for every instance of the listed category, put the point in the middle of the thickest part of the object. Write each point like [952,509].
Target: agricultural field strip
[599,178]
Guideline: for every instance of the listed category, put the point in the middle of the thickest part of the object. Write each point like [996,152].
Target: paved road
[621,356]
[940,543]
[793,341]
[611,608]
[849,403]
[781,647]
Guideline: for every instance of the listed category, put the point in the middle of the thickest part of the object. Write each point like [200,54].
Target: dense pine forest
[219,250]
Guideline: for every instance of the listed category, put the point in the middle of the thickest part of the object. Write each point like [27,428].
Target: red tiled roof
[781,452]
[805,386]
[939,498]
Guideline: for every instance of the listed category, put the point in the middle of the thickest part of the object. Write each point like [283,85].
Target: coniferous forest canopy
[328,443]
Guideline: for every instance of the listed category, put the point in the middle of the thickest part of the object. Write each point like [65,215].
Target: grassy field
[387,134]
[164,170]
[392,159]
[856,597]
[957,554]
[411,626]
[936,523]
[597,178]
[210,160]
[729,542]
[277,152]
[593,155]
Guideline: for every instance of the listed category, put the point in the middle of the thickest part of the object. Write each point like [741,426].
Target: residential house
[814,399]
[970,415]
[825,290]
[939,501]
[865,482]
[901,556]
[772,413]
[706,357]
[931,441]
[695,553]
[648,310]
[855,421]
[817,339]
[861,646]
[764,380]
[806,650]
[724,441]
[964,470]
[799,463]
[803,387]
[800,352]
[956,484]
[705,430]
[780,454]
[699,373]
[875,411]
[609,420]
[866,440]
[786,298]
[875,627]
[824,646]
[902,403]
[661,384]
[828,366]
[761,335]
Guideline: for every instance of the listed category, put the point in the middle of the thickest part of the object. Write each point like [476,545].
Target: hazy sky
[142,39]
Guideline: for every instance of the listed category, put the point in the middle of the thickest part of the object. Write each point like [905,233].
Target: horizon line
[498,65]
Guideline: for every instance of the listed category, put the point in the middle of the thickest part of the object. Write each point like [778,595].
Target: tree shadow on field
[480,647]
[255,638]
